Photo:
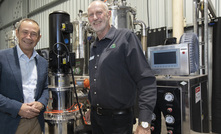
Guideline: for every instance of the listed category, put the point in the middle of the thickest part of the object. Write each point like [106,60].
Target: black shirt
[117,68]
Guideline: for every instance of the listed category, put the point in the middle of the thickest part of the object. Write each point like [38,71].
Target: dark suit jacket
[11,92]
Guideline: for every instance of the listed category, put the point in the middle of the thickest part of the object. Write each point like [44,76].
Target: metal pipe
[196,30]
[81,35]
[207,49]
[206,35]
[148,14]
[166,18]
[202,46]
[211,9]
[195,17]
[143,35]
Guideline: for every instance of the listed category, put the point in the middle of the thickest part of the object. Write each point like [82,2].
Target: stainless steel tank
[79,38]
[60,123]
[121,15]
[61,112]
[80,44]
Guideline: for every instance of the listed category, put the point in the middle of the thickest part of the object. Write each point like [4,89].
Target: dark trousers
[112,124]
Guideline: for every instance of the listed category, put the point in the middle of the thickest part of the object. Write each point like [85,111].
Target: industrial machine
[182,96]
[63,109]
[68,56]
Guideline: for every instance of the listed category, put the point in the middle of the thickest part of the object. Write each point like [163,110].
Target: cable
[72,74]
[67,110]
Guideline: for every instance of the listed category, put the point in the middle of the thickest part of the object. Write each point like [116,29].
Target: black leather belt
[104,111]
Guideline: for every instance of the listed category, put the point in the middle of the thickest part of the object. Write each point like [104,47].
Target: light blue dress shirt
[29,75]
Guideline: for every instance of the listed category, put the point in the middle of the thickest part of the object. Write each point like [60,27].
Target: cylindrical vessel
[59,42]
[62,98]
[56,19]
[80,47]
[60,123]
[60,115]
[60,92]
[121,17]
[59,80]
[61,112]
[79,38]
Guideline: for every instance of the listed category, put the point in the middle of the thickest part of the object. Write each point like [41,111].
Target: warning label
[198,94]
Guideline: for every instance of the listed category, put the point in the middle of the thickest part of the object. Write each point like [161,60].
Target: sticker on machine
[198,94]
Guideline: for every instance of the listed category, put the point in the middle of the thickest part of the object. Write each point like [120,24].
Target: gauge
[169,119]
[169,97]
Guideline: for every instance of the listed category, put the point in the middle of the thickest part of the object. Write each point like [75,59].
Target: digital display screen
[169,59]
[165,58]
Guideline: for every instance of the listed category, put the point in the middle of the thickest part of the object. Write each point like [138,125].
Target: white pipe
[178,24]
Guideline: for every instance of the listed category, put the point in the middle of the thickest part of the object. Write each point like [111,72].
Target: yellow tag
[63,26]
[64,60]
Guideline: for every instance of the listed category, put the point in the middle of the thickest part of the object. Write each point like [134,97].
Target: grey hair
[18,24]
